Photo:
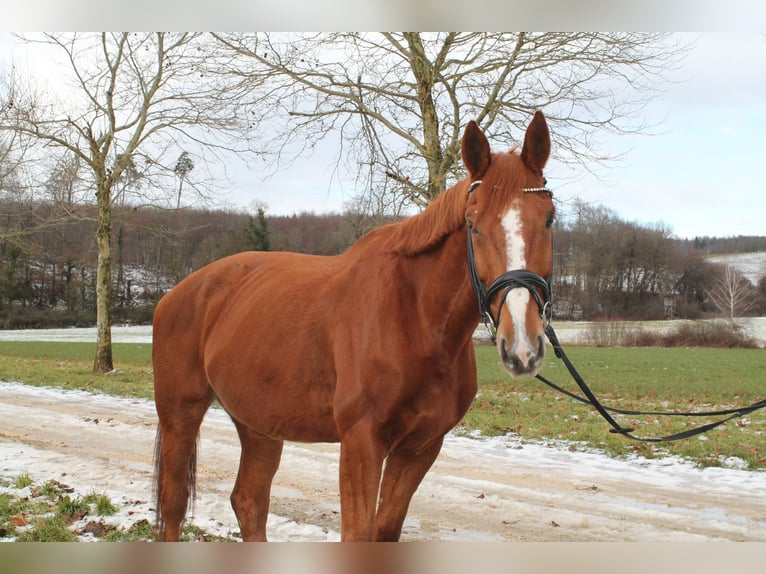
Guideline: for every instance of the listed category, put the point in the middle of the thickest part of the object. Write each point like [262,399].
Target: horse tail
[157,486]
[191,475]
[191,479]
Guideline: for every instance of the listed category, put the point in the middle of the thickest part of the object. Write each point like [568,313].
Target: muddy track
[477,490]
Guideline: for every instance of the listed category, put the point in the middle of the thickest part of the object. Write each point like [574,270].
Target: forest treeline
[604,267]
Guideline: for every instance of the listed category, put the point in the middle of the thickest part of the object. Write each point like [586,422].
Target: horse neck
[445,298]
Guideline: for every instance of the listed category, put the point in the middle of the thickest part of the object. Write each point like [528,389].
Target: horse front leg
[404,472]
[361,465]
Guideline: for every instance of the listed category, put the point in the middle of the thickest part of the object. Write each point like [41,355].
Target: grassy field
[636,378]
[645,378]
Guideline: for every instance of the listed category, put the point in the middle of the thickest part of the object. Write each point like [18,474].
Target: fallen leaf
[97,529]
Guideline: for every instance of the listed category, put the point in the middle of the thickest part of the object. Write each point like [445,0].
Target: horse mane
[427,229]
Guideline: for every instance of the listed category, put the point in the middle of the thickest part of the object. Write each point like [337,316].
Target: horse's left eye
[549,220]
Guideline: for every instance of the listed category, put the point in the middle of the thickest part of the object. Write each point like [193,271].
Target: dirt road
[494,490]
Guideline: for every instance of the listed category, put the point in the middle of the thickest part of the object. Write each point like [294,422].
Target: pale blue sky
[702,173]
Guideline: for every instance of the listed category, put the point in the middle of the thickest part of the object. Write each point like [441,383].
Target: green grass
[631,378]
[48,514]
[70,365]
[48,529]
[22,481]
[101,504]
[643,378]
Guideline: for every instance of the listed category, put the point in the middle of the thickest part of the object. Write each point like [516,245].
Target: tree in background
[397,102]
[732,294]
[183,167]
[257,232]
[131,102]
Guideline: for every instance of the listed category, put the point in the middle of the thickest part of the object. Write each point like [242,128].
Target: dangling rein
[535,285]
[591,399]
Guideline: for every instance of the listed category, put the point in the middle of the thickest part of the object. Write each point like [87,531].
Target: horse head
[509,215]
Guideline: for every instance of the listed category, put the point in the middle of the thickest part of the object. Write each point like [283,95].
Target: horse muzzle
[521,358]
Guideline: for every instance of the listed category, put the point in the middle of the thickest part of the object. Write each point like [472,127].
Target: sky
[700,172]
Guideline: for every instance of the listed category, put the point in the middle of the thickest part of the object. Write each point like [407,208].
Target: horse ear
[475,150]
[537,144]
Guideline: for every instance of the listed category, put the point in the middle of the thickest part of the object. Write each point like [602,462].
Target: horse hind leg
[250,498]
[175,465]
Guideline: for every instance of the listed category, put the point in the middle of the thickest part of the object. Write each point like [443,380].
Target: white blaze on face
[517,299]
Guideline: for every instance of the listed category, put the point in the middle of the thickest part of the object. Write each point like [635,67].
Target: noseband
[509,280]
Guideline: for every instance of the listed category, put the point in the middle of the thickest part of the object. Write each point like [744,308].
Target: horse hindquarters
[175,464]
[182,397]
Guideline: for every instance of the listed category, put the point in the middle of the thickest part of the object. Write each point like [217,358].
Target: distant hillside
[725,245]
[751,265]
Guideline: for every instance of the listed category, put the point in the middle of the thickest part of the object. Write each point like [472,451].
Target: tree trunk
[425,77]
[103,362]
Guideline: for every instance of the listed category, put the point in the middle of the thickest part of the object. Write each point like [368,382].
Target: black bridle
[540,288]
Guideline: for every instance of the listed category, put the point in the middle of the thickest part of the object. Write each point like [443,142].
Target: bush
[42,318]
[615,334]
[35,318]
[709,334]
[693,334]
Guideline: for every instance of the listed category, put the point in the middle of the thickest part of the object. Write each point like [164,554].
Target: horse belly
[274,380]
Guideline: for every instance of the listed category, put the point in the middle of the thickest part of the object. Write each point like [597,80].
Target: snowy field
[569,332]
[751,265]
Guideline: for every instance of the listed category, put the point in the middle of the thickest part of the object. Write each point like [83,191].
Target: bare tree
[399,100]
[132,102]
[183,167]
[63,180]
[732,293]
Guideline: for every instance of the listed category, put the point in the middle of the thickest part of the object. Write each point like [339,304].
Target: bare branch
[418,90]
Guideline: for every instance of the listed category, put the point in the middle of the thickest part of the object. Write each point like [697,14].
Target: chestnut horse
[371,348]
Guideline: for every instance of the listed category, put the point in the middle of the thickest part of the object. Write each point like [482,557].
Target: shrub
[692,334]
[709,334]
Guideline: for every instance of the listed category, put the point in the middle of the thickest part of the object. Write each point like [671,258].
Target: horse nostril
[504,352]
[510,359]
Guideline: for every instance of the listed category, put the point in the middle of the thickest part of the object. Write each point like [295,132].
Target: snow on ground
[132,334]
[751,265]
[487,489]
[569,332]
[576,332]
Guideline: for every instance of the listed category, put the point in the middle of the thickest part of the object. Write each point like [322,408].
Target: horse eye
[474,231]
[549,220]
